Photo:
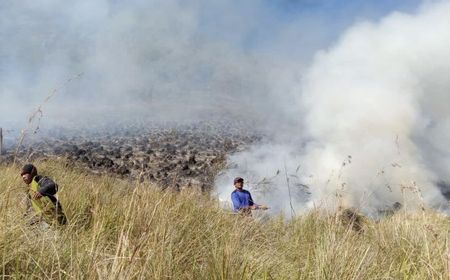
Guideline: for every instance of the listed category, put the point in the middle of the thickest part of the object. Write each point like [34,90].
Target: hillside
[127,230]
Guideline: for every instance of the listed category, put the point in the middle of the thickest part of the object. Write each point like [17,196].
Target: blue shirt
[241,199]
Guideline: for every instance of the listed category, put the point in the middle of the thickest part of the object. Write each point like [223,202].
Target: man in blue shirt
[242,199]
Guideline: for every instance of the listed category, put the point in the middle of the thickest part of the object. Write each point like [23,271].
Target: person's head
[29,171]
[239,183]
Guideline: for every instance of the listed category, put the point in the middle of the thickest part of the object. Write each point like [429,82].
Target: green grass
[127,230]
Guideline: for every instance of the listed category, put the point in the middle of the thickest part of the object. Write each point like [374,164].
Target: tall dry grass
[127,230]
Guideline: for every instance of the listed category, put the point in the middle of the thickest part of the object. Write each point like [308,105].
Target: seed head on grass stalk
[37,115]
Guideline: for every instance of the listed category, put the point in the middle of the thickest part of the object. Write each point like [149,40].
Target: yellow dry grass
[128,230]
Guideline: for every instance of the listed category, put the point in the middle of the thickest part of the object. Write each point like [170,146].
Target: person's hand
[263,207]
[37,196]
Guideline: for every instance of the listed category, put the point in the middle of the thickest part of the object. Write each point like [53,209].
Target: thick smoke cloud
[154,59]
[373,122]
[377,95]
[166,60]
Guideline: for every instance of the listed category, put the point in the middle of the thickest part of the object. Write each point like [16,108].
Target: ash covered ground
[173,155]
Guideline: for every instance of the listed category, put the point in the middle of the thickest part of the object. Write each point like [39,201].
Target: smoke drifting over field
[366,119]
[166,60]
[375,118]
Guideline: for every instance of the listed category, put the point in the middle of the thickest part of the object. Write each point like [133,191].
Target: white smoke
[378,95]
[139,59]
[158,59]
[373,122]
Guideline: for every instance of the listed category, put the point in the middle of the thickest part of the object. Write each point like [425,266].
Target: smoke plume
[159,59]
[365,121]
[372,122]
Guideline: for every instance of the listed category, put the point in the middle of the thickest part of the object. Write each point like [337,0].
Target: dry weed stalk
[37,115]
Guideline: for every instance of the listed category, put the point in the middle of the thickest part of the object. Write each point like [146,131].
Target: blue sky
[300,27]
[371,8]
[313,5]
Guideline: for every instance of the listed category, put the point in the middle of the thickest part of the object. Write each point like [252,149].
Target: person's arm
[47,187]
[255,206]
[251,203]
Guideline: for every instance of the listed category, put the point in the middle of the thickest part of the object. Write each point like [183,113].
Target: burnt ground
[176,156]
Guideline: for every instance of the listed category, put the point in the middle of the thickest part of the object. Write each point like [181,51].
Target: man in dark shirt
[242,199]
[41,193]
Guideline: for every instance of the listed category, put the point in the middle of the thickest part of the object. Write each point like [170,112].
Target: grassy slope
[123,230]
